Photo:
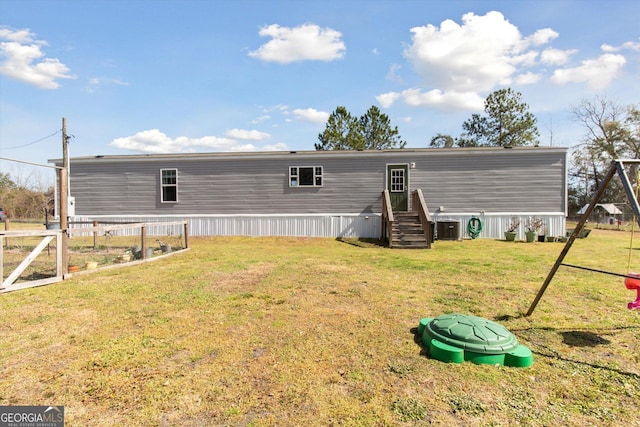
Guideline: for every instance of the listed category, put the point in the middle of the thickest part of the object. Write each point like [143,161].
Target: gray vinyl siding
[509,182]
[459,180]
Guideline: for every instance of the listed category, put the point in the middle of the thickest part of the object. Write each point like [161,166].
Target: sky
[189,76]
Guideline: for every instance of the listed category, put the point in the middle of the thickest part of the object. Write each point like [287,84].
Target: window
[305,176]
[397,181]
[169,185]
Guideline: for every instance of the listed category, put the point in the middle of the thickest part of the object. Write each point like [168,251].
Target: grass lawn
[295,331]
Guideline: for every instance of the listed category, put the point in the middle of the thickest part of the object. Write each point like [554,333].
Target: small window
[305,176]
[169,185]
[397,181]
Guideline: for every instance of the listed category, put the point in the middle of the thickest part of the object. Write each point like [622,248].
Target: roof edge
[310,153]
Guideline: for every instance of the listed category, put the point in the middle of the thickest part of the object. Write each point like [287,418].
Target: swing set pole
[574,235]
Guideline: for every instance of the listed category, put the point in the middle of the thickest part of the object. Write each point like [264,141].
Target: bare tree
[24,193]
[612,131]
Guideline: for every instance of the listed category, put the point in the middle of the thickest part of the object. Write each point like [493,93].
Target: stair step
[406,223]
[412,245]
[407,231]
[407,227]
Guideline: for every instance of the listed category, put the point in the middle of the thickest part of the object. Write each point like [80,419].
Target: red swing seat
[632,283]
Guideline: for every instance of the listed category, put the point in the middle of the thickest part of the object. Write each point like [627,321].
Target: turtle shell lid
[472,333]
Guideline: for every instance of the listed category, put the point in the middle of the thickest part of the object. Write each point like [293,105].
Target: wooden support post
[574,235]
[6,228]
[186,235]
[143,245]
[64,220]
[95,235]
[1,260]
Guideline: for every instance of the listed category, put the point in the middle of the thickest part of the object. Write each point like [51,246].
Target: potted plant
[510,234]
[164,247]
[532,226]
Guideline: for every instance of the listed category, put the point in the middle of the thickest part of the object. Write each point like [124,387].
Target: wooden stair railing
[387,218]
[418,204]
[404,229]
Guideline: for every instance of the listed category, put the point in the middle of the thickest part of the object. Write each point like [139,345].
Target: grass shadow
[507,317]
[424,351]
[583,339]
[363,243]
[574,338]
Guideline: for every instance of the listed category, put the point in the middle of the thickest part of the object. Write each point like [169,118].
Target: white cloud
[393,73]
[632,45]
[260,119]
[626,45]
[461,63]
[527,78]
[311,115]
[96,82]
[474,56]
[248,135]
[20,36]
[542,36]
[449,100]
[553,56]
[526,59]
[157,142]
[445,100]
[277,107]
[304,42]
[387,99]
[21,58]
[597,73]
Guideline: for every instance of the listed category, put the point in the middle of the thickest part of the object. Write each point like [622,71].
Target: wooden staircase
[407,231]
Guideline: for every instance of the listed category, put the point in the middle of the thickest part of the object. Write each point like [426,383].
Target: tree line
[612,131]
[506,122]
[24,198]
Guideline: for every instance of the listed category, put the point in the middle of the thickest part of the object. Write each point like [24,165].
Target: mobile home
[323,193]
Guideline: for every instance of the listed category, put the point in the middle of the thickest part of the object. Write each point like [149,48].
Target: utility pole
[63,193]
[65,152]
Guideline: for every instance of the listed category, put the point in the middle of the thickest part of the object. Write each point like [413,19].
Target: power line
[34,142]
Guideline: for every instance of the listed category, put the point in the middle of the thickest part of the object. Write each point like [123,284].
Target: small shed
[607,213]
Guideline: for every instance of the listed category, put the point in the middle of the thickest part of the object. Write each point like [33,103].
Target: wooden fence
[10,283]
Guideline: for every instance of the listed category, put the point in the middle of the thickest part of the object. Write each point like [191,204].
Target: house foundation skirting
[339,225]
[343,225]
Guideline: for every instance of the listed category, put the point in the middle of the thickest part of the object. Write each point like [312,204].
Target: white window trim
[407,177]
[162,186]
[297,176]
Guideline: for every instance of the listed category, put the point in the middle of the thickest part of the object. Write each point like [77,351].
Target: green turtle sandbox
[459,337]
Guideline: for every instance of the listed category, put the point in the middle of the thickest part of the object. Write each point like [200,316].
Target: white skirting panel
[321,225]
[494,225]
[312,225]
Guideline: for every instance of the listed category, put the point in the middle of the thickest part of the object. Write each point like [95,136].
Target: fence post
[186,235]
[95,235]
[6,228]
[143,235]
[1,260]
